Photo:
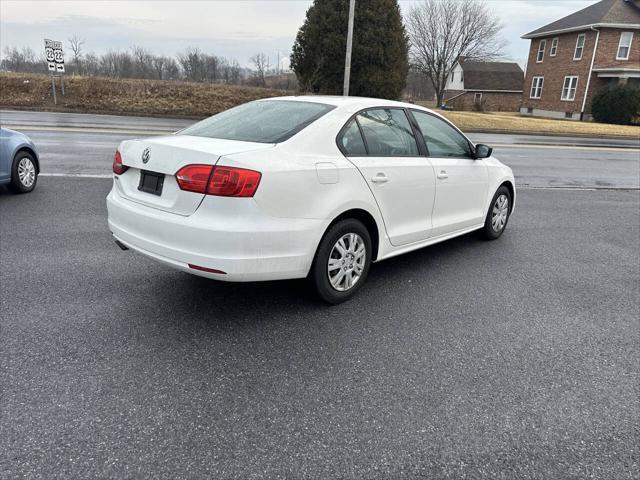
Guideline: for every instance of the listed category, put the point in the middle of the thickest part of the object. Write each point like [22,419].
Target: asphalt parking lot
[509,359]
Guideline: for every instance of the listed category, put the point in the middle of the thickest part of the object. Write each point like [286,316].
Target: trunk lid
[167,155]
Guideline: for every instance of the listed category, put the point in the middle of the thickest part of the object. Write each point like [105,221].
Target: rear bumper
[228,234]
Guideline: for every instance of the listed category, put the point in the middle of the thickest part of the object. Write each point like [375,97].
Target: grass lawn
[508,122]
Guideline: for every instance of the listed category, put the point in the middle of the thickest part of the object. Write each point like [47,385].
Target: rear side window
[441,138]
[388,133]
[351,142]
[263,121]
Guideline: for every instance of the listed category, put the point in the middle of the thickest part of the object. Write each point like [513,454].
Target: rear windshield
[270,121]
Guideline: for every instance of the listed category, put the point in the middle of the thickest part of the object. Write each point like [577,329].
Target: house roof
[492,75]
[612,13]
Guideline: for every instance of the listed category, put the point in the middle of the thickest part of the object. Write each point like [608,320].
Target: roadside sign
[55,55]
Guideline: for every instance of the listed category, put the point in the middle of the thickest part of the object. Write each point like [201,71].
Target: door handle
[442,175]
[380,178]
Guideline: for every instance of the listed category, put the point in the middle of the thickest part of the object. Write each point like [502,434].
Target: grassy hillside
[128,97]
[199,100]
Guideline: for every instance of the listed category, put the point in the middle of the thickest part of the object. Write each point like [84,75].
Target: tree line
[192,64]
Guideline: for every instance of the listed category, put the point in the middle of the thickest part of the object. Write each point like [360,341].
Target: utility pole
[347,60]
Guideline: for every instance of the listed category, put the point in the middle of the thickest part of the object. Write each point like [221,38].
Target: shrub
[619,105]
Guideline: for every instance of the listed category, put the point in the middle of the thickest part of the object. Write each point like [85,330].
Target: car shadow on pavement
[221,302]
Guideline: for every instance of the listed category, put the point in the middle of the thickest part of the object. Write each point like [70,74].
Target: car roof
[351,103]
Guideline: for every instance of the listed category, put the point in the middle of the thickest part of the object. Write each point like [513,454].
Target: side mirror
[483,151]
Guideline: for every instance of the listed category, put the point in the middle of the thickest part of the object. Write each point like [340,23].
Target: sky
[228,28]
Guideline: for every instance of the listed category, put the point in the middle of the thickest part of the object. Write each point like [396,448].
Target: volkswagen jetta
[297,187]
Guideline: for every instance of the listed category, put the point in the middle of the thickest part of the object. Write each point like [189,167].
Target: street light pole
[347,60]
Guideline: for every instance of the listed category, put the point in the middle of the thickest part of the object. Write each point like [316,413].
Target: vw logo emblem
[146,155]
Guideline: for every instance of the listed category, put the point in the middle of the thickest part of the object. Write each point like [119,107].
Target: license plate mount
[151,182]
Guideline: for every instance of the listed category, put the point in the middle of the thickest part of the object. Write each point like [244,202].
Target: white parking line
[90,130]
[567,147]
[77,175]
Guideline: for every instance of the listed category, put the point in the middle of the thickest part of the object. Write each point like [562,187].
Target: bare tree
[117,64]
[159,66]
[20,60]
[75,44]
[143,61]
[261,63]
[232,72]
[171,68]
[441,31]
[91,64]
[193,65]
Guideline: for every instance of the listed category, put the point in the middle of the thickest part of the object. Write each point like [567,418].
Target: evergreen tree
[379,60]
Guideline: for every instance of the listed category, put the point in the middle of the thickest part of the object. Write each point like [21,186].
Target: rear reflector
[219,181]
[118,168]
[205,269]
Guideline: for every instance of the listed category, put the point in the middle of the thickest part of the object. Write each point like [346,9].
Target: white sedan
[296,187]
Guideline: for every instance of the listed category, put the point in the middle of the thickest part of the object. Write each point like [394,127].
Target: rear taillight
[194,178]
[118,167]
[219,181]
[233,182]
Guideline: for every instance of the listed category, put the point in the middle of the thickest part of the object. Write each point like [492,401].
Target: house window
[569,89]
[577,55]
[536,87]
[477,98]
[624,47]
[554,47]
[541,47]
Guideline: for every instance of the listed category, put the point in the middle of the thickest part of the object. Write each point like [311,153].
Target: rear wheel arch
[367,220]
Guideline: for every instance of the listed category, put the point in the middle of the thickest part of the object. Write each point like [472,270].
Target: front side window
[577,55]
[262,121]
[541,47]
[624,47]
[554,47]
[536,87]
[387,133]
[569,88]
[351,142]
[441,138]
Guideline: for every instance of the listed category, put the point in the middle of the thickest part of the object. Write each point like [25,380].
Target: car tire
[498,214]
[342,244]
[24,173]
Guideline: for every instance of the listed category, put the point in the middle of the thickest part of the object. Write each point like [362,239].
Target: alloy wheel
[500,213]
[26,172]
[347,261]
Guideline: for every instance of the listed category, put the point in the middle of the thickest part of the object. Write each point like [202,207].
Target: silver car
[19,165]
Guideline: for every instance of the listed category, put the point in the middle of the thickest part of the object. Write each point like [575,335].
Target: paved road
[32,120]
[510,359]
[84,144]
[82,120]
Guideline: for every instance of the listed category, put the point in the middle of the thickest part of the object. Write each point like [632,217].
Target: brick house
[573,58]
[493,86]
